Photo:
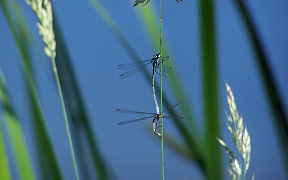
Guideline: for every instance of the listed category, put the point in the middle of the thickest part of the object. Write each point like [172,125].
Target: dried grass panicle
[43,10]
[241,139]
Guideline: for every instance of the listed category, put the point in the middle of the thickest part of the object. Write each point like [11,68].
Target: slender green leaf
[16,135]
[210,89]
[77,110]
[46,154]
[273,92]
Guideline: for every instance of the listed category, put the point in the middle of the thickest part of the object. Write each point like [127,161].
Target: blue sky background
[133,151]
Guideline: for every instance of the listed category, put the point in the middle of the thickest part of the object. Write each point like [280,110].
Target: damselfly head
[156,56]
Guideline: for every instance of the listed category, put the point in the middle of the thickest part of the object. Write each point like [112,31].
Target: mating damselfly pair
[135,67]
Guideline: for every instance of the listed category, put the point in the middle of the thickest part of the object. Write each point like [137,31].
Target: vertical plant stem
[161,93]
[210,90]
[65,117]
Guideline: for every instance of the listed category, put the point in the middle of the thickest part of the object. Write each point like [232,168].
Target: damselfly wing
[136,67]
[156,117]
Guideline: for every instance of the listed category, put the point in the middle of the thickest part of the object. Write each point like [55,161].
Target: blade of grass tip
[41,134]
[273,93]
[210,89]
[76,108]
[149,20]
[16,135]
[5,169]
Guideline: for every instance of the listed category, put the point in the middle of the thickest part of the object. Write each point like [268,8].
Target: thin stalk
[161,92]
[65,117]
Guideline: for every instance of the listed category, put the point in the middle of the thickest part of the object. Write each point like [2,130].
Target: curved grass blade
[42,138]
[77,111]
[16,135]
[273,93]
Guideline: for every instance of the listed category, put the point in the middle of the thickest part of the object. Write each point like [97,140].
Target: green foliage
[270,86]
[5,169]
[16,136]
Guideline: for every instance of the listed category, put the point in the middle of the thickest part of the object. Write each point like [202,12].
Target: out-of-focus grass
[210,88]
[5,169]
[76,109]
[274,97]
[47,159]
[16,137]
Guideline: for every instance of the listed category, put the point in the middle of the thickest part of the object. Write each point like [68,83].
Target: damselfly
[156,117]
[138,66]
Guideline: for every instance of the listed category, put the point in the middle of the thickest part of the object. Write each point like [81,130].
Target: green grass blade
[16,135]
[273,93]
[76,108]
[47,156]
[4,163]
[210,89]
